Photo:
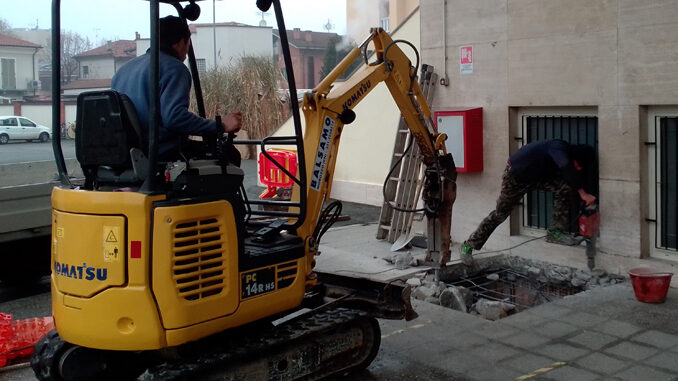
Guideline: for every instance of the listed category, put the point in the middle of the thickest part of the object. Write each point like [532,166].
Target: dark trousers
[512,191]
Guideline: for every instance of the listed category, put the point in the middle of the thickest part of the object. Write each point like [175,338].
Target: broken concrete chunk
[493,310]
[403,260]
[423,292]
[414,282]
[559,274]
[577,282]
[582,275]
[457,298]
[493,276]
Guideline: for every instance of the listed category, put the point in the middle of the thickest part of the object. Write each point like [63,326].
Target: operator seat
[109,143]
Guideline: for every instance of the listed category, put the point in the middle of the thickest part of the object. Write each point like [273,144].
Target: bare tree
[5,28]
[72,44]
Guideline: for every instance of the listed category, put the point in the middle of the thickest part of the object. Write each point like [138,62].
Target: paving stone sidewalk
[600,334]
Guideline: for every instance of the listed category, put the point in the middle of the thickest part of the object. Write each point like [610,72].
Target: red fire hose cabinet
[464,129]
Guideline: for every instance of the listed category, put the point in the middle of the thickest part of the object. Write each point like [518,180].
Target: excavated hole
[517,291]
[504,285]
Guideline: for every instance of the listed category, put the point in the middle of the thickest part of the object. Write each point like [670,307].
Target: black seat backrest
[106,128]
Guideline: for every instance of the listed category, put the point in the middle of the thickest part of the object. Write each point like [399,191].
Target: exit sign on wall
[466,60]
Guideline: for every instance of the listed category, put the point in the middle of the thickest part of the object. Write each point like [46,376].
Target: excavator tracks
[309,347]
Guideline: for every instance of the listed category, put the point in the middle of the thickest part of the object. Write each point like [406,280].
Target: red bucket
[650,285]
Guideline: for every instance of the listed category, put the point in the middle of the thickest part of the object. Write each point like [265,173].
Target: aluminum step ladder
[405,180]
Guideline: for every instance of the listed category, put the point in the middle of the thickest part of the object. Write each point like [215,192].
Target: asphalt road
[405,354]
[21,151]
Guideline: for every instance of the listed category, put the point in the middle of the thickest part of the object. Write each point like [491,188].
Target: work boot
[556,236]
[465,254]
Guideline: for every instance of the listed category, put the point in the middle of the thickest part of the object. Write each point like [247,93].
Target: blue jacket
[176,122]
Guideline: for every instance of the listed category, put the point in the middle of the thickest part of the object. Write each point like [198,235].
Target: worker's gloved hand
[588,199]
[232,122]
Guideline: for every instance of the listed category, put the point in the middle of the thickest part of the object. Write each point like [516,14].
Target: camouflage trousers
[512,191]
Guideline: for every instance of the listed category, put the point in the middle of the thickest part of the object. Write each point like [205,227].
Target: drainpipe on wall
[445,81]
[34,80]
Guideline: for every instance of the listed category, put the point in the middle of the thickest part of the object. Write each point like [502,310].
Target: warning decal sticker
[111,245]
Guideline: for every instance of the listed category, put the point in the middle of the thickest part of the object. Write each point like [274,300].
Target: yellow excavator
[167,270]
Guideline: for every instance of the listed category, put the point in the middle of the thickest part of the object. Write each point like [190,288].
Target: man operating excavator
[175,86]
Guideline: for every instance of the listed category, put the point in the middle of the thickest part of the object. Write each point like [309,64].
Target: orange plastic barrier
[271,176]
[18,337]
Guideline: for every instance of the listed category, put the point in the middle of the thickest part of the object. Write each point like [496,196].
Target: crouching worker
[552,165]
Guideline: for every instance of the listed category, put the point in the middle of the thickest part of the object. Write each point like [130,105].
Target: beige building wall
[98,67]
[361,15]
[399,10]
[615,57]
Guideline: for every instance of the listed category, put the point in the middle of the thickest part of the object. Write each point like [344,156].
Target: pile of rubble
[456,289]
[458,298]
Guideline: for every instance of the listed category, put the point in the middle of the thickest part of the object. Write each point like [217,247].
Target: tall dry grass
[249,86]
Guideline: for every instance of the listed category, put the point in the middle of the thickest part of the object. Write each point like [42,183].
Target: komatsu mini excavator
[167,270]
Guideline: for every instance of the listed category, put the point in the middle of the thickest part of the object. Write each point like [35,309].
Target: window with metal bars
[538,204]
[201,63]
[666,184]
[7,74]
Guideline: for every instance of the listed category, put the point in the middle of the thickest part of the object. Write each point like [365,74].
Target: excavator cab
[168,267]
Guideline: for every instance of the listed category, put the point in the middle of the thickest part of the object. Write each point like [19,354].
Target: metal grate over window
[202,65]
[667,183]
[538,207]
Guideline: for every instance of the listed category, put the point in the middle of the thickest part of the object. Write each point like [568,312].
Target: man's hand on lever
[232,122]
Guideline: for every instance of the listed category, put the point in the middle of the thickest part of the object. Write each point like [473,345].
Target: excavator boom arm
[328,107]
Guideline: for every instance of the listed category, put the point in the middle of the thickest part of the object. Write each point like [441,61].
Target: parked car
[21,128]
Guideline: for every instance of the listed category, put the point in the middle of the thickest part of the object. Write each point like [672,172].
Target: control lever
[218,149]
[225,151]
[269,232]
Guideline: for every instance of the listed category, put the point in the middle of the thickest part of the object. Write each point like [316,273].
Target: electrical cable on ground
[512,247]
[482,252]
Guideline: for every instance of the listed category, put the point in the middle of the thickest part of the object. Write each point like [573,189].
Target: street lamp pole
[214,30]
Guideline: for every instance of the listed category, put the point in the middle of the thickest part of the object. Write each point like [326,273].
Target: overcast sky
[119,19]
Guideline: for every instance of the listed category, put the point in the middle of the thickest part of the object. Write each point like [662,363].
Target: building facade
[18,67]
[361,15]
[307,50]
[232,41]
[600,72]
[104,61]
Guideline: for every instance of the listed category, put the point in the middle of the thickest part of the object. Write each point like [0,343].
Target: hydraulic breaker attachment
[440,192]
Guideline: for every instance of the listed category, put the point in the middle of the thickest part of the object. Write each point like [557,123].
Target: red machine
[589,223]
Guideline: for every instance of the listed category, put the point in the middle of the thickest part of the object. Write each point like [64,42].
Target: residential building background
[18,67]
[361,15]
[233,41]
[104,61]
[307,50]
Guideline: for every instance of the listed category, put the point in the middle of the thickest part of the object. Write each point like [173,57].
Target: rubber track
[252,344]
